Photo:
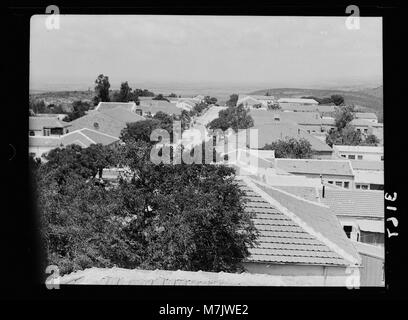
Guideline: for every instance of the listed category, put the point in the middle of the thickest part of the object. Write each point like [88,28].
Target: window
[343,155]
[351,156]
[47,132]
[364,187]
[365,130]
[382,158]
[331,182]
[360,157]
[358,130]
[339,183]
[346,184]
[347,230]
[31,133]
[358,186]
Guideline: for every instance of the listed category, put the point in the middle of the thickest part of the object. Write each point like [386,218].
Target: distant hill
[369,99]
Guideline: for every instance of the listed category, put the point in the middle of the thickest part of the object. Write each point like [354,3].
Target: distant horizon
[211,51]
[173,86]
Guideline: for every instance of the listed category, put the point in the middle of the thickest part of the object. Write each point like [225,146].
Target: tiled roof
[364,203]
[85,137]
[43,141]
[365,115]
[120,276]
[110,121]
[155,106]
[267,133]
[38,123]
[104,106]
[312,166]
[367,165]
[297,100]
[123,115]
[294,230]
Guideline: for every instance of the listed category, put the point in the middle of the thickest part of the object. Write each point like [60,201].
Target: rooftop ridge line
[301,223]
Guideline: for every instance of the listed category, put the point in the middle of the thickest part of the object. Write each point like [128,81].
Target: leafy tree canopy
[291,148]
[102,86]
[233,99]
[232,117]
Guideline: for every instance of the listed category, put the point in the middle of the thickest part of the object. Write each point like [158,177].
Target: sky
[241,50]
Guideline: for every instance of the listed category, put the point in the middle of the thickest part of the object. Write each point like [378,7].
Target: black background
[23,274]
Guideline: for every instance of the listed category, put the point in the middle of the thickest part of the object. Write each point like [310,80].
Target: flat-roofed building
[370,153]
[47,126]
[335,172]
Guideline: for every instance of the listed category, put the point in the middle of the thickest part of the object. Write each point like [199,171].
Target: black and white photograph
[192,150]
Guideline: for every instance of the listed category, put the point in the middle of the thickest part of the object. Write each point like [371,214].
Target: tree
[232,102]
[143,93]
[232,117]
[79,109]
[81,224]
[192,218]
[140,131]
[98,157]
[371,140]
[160,97]
[343,116]
[291,148]
[125,93]
[337,99]
[102,86]
[185,118]
[210,100]
[199,108]
[188,217]
[346,136]
[172,95]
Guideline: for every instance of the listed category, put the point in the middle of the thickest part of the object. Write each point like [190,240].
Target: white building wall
[304,275]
